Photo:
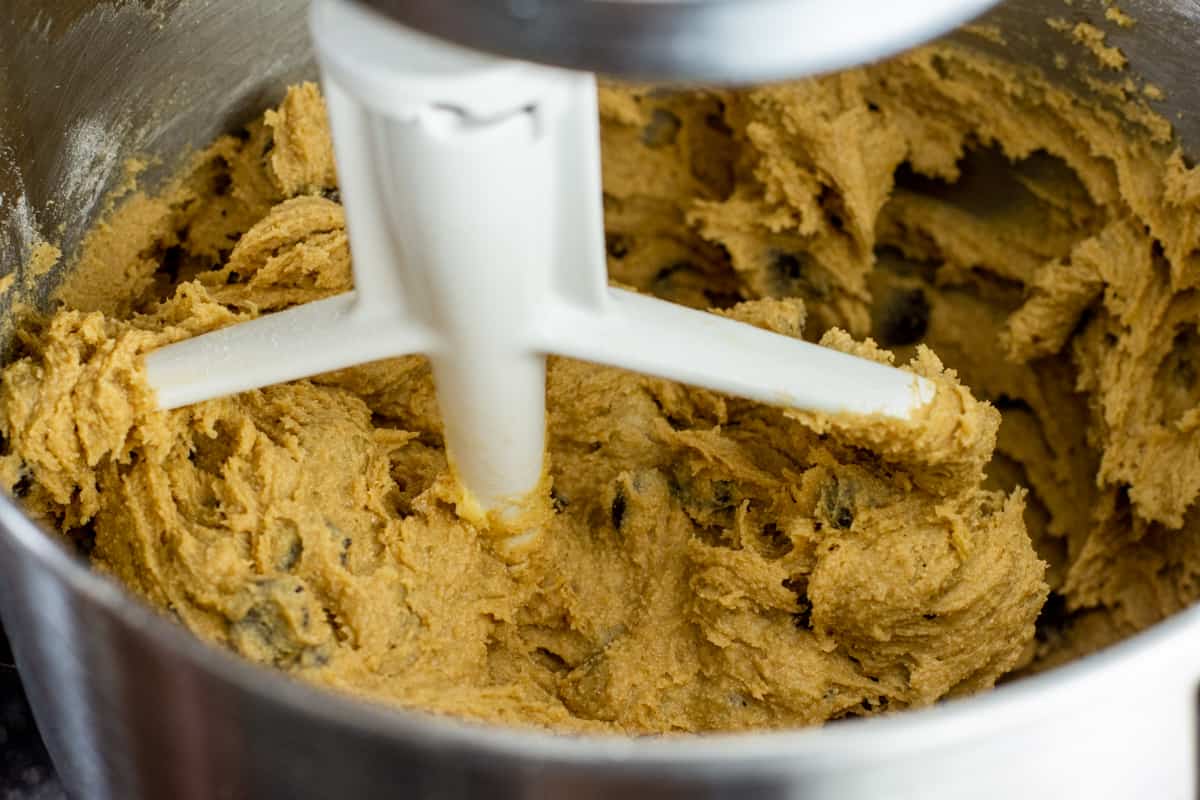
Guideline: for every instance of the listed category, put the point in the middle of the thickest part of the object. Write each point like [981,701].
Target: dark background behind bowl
[25,770]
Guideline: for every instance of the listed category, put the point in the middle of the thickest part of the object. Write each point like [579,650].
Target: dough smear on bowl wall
[710,563]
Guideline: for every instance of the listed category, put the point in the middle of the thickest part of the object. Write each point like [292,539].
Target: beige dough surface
[705,563]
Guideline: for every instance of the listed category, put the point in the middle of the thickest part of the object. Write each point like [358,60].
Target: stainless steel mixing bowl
[132,707]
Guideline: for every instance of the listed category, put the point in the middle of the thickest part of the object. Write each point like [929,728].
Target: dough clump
[710,563]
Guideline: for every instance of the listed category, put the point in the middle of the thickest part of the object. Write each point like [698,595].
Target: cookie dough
[710,563]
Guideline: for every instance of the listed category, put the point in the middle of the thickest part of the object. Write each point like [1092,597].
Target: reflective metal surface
[725,41]
[133,707]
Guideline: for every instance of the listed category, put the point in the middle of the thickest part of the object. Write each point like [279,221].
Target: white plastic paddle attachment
[473,201]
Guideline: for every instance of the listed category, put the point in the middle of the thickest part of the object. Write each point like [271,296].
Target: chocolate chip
[802,619]
[843,518]
[837,501]
[717,123]
[788,266]
[905,318]
[292,557]
[775,543]
[618,508]
[221,184]
[84,539]
[270,631]
[23,486]
[790,274]
[802,616]
[662,129]
[617,245]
